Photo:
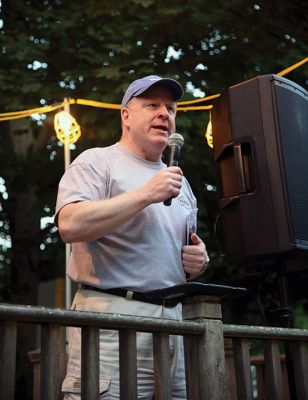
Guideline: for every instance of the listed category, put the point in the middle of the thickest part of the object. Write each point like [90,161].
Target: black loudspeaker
[260,135]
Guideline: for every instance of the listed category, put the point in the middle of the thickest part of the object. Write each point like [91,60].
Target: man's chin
[161,143]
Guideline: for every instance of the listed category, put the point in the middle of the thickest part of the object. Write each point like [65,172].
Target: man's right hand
[165,184]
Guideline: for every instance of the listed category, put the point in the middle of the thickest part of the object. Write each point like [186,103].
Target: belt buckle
[129,295]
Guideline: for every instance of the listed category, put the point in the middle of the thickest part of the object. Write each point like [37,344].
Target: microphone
[175,143]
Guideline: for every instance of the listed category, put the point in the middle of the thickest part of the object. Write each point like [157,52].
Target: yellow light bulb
[209,134]
[66,127]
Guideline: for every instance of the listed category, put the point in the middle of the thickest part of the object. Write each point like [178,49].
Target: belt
[131,295]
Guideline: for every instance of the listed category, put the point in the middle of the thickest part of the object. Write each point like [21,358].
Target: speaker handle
[224,203]
[238,158]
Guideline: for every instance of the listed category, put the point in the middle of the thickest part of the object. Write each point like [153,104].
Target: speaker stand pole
[286,321]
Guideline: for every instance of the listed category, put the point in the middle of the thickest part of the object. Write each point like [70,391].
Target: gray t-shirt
[141,254]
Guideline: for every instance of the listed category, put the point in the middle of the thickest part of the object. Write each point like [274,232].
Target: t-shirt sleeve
[79,183]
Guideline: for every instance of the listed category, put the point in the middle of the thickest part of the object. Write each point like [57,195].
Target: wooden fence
[214,371]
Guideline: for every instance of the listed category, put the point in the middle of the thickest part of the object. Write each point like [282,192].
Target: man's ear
[124,115]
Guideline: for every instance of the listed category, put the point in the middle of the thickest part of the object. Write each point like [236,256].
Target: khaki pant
[89,300]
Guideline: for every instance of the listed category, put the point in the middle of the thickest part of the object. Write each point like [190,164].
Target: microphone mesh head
[175,140]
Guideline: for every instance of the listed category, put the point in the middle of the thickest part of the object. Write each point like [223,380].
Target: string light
[209,133]
[68,131]
[66,127]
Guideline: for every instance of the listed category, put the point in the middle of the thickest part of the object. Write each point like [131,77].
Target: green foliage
[300,316]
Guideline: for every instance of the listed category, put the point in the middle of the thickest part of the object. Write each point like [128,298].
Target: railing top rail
[42,315]
[34,314]
[264,332]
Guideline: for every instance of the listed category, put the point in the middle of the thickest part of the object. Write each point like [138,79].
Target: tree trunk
[22,210]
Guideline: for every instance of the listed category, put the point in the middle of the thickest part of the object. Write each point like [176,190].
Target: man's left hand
[194,257]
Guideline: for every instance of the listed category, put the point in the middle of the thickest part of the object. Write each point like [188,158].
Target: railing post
[161,366]
[128,364]
[8,336]
[242,368]
[300,362]
[192,345]
[273,373]
[50,362]
[89,363]
[204,356]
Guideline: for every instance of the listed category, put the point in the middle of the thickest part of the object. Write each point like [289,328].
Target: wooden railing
[271,380]
[206,374]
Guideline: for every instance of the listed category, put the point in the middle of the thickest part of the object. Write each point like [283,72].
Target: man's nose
[163,111]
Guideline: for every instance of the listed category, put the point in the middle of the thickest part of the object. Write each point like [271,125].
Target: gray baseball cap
[139,86]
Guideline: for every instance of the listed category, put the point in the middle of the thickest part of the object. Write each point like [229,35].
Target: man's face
[150,120]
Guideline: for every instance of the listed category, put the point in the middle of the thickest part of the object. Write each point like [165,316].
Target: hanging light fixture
[66,127]
[209,133]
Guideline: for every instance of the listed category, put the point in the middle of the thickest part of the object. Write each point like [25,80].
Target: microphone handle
[173,162]
[168,202]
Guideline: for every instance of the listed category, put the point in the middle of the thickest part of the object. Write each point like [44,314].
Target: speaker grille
[292,119]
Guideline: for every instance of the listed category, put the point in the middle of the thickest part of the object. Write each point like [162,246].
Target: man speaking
[125,240]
